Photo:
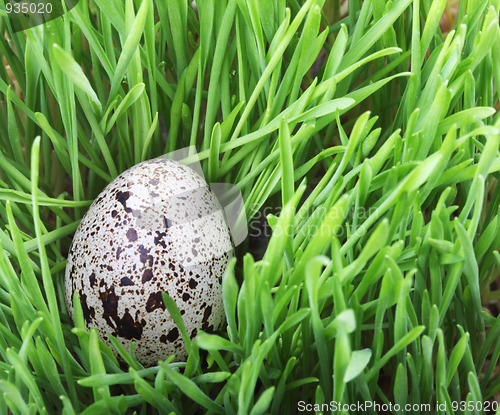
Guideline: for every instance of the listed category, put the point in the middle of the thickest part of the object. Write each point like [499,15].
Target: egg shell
[156,227]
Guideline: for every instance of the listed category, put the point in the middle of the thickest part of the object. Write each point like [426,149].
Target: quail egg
[156,228]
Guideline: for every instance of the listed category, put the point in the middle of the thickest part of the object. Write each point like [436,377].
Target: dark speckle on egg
[132,235]
[118,252]
[122,197]
[126,281]
[156,228]
[155,300]
[92,280]
[173,334]
[147,275]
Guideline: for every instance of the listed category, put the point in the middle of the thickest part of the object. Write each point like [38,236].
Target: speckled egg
[156,227]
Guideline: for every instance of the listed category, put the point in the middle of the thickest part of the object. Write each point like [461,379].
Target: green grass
[373,138]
